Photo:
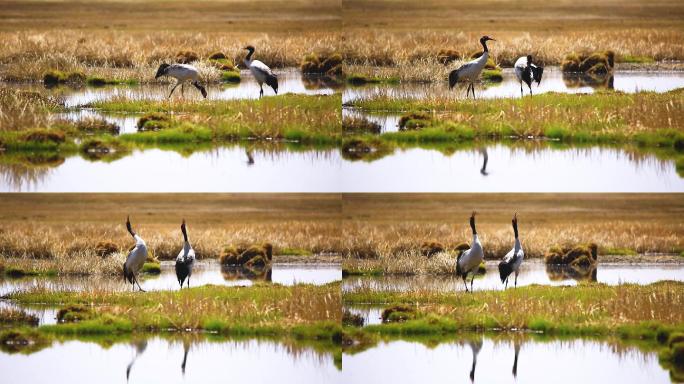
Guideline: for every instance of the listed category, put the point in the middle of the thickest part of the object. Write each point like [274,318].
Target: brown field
[40,231]
[387,230]
[128,39]
[404,37]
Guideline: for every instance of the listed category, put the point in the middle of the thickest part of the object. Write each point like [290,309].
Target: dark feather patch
[453,78]
[272,81]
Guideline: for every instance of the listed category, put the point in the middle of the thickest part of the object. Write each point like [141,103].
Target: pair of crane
[469,260]
[138,255]
[525,70]
[188,73]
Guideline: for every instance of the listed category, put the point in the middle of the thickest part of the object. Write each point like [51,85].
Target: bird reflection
[475,346]
[485,159]
[140,346]
[186,349]
[250,157]
[516,346]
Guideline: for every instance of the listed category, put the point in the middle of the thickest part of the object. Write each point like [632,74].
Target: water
[553,81]
[531,272]
[159,360]
[479,359]
[387,122]
[222,169]
[502,168]
[204,272]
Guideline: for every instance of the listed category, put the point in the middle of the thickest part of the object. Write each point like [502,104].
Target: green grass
[636,59]
[99,81]
[302,311]
[18,272]
[625,310]
[619,252]
[359,79]
[492,75]
[295,252]
[230,76]
[151,268]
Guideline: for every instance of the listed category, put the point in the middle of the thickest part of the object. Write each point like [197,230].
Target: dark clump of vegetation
[365,148]
[359,125]
[252,256]
[22,341]
[55,77]
[448,56]
[359,79]
[597,63]
[73,313]
[106,248]
[151,268]
[153,122]
[9,316]
[95,125]
[217,56]
[672,356]
[492,75]
[186,57]
[431,248]
[98,81]
[97,149]
[328,64]
[45,136]
[230,76]
[583,255]
[352,319]
[414,120]
[398,313]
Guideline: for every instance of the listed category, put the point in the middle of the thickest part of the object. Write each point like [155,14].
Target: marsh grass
[304,311]
[13,317]
[627,310]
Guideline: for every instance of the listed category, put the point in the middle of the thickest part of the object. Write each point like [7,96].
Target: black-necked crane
[516,347]
[526,72]
[468,261]
[514,258]
[182,73]
[186,349]
[485,159]
[475,346]
[140,346]
[470,71]
[185,259]
[261,72]
[136,257]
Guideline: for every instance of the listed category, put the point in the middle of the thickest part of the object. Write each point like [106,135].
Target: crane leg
[473,88]
[471,283]
[465,283]
[261,92]
[135,279]
[173,89]
[188,281]
[183,89]
[506,286]
[530,90]
[516,279]
[521,90]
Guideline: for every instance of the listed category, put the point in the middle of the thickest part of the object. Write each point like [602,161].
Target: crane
[470,71]
[182,73]
[261,72]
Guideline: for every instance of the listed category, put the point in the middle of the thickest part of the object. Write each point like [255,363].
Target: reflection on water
[289,81]
[170,361]
[502,168]
[204,272]
[531,272]
[505,358]
[275,168]
[387,122]
[554,81]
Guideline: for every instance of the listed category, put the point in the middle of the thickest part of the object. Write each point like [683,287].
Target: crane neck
[248,58]
[484,45]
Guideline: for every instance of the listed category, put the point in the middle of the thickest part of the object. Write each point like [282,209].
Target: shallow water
[483,360]
[531,272]
[222,169]
[553,81]
[162,361]
[204,272]
[502,168]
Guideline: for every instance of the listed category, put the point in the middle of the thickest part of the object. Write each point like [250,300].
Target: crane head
[486,38]
[249,48]
[162,70]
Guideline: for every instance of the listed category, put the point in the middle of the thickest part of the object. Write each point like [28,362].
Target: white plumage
[261,72]
[182,73]
[470,71]
[185,259]
[513,259]
[136,258]
[469,260]
[527,72]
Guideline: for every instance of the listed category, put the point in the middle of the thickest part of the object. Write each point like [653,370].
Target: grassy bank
[645,118]
[302,311]
[630,311]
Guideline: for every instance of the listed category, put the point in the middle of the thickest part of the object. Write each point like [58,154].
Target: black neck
[484,45]
[130,229]
[472,225]
[185,234]
[249,55]
[515,228]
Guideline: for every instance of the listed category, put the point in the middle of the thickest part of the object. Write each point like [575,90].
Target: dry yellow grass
[128,40]
[40,231]
[407,35]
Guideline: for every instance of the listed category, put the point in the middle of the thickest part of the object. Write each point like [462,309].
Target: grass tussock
[596,63]
[328,64]
[356,125]
[11,316]
[54,77]
[351,319]
[25,109]
[626,310]
[22,340]
[252,256]
[584,255]
[305,311]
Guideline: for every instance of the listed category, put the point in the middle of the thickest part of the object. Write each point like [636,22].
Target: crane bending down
[470,71]
[182,73]
[468,261]
[527,72]
[261,72]
[513,259]
[185,259]
[136,258]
